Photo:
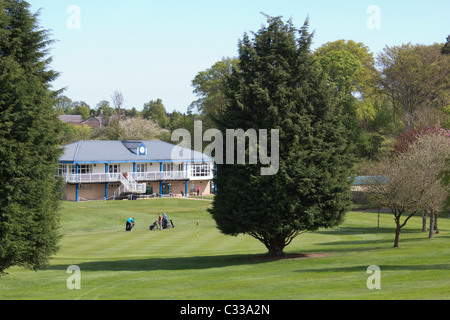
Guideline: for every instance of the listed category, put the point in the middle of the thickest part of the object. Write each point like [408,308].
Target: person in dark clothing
[130,224]
[165,221]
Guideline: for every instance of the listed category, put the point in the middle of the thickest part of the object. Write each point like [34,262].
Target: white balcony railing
[93,177]
[138,176]
[159,175]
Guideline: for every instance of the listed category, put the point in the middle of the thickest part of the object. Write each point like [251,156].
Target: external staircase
[129,186]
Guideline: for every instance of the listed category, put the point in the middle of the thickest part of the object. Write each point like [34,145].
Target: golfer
[165,221]
[130,224]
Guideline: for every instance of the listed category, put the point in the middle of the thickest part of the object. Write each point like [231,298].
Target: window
[114,168]
[141,167]
[167,167]
[82,169]
[201,170]
[62,170]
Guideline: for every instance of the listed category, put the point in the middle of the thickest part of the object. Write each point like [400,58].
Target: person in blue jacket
[130,224]
[165,220]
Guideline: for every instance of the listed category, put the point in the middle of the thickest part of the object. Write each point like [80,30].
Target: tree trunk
[424,222]
[275,247]
[431,234]
[398,231]
[436,229]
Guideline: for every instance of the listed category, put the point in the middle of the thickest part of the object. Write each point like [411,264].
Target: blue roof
[365,180]
[109,151]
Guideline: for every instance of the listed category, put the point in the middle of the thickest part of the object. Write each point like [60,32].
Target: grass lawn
[193,263]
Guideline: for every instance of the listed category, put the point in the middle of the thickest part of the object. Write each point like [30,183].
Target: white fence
[93,178]
[159,175]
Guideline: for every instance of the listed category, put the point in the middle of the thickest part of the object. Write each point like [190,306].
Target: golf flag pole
[197,231]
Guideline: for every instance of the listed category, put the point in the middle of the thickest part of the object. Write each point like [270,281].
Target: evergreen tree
[446,48]
[29,131]
[279,85]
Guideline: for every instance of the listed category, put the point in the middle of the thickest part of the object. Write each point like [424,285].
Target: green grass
[197,264]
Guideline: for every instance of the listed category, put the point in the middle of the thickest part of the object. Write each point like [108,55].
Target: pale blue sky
[153,49]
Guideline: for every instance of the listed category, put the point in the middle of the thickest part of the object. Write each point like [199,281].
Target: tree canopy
[352,65]
[209,86]
[29,131]
[156,111]
[415,78]
[279,85]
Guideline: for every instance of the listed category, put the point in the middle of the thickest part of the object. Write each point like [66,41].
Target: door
[167,169]
[114,168]
[141,169]
[166,188]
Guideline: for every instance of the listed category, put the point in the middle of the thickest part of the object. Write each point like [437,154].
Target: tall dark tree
[446,48]
[279,85]
[29,131]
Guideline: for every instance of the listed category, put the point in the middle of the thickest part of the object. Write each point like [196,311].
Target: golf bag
[153,226]
[166,225]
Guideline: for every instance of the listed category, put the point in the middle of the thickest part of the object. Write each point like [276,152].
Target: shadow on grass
[200,263]
[181,263]
[386,239]
[364,230]
[363,268]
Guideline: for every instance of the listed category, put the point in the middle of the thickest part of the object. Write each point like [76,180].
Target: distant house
[72,119]
[93,122]
[105,170]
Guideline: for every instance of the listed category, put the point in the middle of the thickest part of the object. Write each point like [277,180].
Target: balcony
[115,177]
[159,175]
[194,174]
[92,178]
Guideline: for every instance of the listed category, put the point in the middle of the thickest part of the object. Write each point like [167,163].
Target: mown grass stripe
[172,264]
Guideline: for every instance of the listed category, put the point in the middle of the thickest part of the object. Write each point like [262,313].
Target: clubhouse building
[107,170]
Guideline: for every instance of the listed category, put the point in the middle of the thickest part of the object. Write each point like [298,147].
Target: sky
[150,50]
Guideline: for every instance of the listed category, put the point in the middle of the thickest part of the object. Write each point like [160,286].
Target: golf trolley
[165,225]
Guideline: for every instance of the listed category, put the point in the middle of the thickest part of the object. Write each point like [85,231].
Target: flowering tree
[406,139]
[139,129]
[408,182]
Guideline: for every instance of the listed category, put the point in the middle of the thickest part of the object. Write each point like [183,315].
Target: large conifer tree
[29,131]
[279,85]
